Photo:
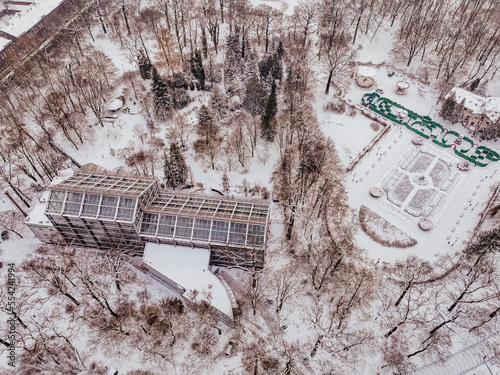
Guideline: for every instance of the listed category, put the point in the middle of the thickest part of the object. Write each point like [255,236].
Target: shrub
[335,107]
[383,232]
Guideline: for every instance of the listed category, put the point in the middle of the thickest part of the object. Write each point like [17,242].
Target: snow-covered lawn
[351,131]
[457,213]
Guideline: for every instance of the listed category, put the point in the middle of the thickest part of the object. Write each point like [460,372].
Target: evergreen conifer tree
[197,69]
[233,64]
[271,65]
[268,125]
[474,84]
[178,166]
[251,66]
[225,183]
[163,104]
[145,66]
[167,170]
[280,51]
[277,68]
[448,107]
[458,111]
[255,96]
[206,126]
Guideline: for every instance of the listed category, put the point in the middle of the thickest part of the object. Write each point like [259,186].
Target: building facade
[479,113]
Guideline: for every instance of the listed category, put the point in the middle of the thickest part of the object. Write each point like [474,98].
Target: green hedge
[384,109]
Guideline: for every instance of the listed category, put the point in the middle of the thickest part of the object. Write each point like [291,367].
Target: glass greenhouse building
[107,211]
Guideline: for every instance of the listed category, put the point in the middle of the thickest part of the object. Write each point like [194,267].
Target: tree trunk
[357,26]
[291,222]
[126,19]
[71,298]
[402,295]
[328,82]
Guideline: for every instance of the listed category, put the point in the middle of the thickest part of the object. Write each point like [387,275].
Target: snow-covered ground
[189,269]
[454,218]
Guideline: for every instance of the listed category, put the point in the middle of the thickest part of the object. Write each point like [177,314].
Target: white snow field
[418,182]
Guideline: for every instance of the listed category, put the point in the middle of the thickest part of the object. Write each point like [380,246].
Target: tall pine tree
[458,112]
[268,124]
[145,66]
[225,183]
[255,96]
[197,69]
[206,126]
[474,84]
[448,107]
[176,170]
[234,63]
[163,103]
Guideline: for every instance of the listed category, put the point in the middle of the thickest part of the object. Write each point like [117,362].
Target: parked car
[229,349]
[5,235]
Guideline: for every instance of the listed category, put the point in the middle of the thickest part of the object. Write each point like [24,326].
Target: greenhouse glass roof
[206,220]
[173,216]
[105,184]
[93,206]
[209,207]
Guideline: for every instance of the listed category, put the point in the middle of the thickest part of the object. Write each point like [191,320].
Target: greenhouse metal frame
[109,211]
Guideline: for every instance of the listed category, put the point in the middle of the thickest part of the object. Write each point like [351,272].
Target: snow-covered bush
[383,232]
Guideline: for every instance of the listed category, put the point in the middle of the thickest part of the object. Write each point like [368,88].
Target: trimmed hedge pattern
[428,129]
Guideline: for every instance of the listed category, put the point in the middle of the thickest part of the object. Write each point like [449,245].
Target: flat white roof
[37,215]
[115,105]
[3,43]
[189,268]
[29,16]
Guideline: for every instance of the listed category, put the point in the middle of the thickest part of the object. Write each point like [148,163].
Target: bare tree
[236,140]
[285,284]
[338,59]
[12,221]
[256,285]
[179,130]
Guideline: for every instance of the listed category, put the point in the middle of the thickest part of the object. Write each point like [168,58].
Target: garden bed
[383,232]
[402,189]
[439,174]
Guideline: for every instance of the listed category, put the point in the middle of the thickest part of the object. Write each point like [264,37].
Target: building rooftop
[209,207]
[27,16]
[37,215]
[478,104]
[188,268]
[169,216]
[106,184]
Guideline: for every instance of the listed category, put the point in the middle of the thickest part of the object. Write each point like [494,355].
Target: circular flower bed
[464,166]
[421,180]
[365,82]
[418,141]
[425,224]
[375,192]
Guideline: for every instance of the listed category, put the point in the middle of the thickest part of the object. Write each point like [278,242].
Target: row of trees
[54,99]
[71,306]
